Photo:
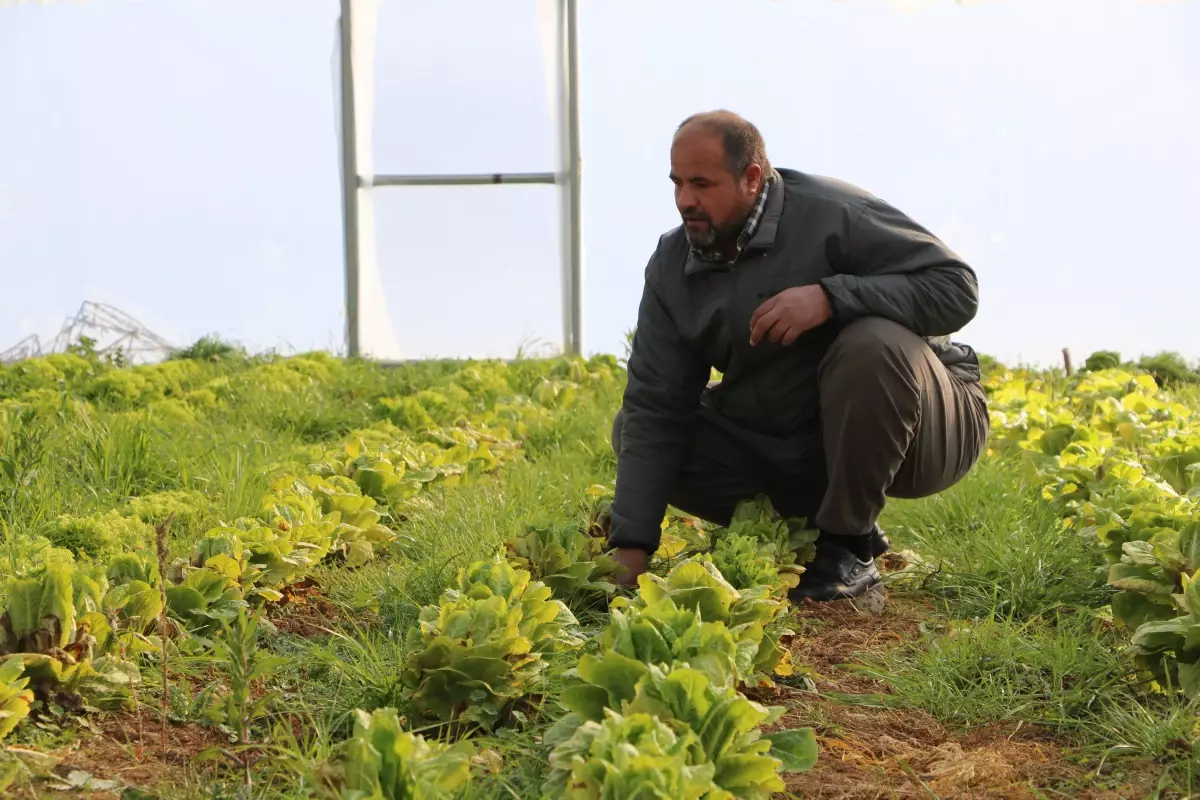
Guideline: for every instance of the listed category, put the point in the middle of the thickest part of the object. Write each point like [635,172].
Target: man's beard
[715,237]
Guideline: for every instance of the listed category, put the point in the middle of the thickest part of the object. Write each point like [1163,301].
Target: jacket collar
[763,239]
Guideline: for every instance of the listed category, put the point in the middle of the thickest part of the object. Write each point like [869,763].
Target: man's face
[713,203]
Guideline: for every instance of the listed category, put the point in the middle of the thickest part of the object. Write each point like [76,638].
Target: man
[828,312]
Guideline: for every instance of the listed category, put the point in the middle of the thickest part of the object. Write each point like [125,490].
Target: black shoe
[873,545]
[837,573]
[879,543]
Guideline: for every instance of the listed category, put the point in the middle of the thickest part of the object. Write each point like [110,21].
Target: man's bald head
[718,165]
[742,141]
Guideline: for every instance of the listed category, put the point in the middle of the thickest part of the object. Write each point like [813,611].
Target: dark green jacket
[871,259]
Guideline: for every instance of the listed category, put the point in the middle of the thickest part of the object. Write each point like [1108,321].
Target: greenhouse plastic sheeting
[456,271]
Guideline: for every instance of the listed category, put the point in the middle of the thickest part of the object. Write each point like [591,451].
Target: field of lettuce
[228,576]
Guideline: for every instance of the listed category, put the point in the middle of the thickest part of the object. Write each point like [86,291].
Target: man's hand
[633,561]
[790,313]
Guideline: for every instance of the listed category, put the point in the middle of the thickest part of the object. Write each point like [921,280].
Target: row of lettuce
[655,704]
[1120,458]
[186,391]
[657,701]
[664,676]
[83,599]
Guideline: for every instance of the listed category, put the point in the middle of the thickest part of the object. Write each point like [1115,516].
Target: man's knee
[866,346]
[871,335]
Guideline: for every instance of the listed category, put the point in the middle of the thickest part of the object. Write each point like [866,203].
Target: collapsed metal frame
[114,331]
[568,176]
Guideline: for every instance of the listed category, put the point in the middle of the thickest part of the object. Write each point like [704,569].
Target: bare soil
[881,749]
[130,751]
[312,619]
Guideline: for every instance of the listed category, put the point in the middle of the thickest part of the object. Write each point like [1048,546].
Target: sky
[178,159]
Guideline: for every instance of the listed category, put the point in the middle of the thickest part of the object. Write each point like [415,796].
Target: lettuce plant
[726,724]
[753,616]
[15,698]
[327,514]
[134,595]
[1170,649]
[57,648]
[564,557]
[747,562]
[104,683]
[484,645]
[188,506]
[635,756]
[382,761]
[40,615]
[126,567]
[665,634]
[100,535]
[204,599]
[791,542]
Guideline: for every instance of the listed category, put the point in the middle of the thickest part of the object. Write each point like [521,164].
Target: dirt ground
[870,749]
[128,749]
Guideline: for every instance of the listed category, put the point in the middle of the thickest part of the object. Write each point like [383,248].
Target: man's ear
[752,179]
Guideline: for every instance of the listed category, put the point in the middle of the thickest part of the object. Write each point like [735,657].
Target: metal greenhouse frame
[567,176]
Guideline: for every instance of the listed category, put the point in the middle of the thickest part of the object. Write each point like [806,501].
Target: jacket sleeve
[666,378]
[894,268]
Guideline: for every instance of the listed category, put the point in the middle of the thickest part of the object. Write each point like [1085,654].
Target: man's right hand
[633,562]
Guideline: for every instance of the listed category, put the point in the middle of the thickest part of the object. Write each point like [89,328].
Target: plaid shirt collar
[748,231]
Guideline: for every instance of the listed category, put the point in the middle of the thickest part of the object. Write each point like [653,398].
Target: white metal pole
[574,175]
[349,181]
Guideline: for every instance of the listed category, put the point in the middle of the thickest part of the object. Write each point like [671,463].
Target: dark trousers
[894,423]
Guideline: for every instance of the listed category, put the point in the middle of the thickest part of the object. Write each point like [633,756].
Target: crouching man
[829,313]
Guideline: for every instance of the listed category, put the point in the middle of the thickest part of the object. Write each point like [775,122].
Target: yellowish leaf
[670,546]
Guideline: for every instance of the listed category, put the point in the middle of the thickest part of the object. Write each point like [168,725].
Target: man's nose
[685,198]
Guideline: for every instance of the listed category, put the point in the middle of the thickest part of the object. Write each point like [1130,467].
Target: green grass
[1022,632]
[359,668]
[75,450]
[999,550]
[1019,633]
[1049,671]
[454,527]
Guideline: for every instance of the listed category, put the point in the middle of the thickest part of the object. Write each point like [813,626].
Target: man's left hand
[633,563]
[790,313]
